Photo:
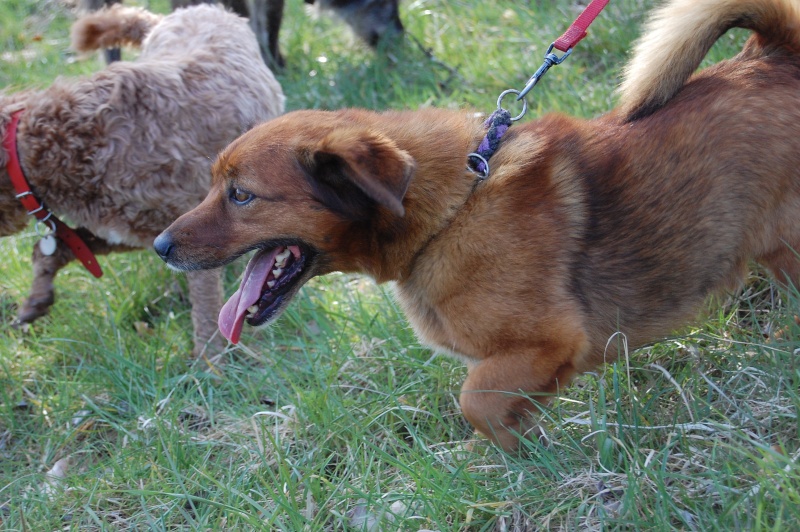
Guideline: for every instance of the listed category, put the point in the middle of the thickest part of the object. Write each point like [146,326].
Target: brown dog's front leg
[501,393]
[45,268]
[205,294]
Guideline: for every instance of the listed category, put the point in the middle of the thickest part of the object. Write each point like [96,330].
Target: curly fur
[126,151]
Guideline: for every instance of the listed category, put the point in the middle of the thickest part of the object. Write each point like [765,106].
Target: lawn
[336,418]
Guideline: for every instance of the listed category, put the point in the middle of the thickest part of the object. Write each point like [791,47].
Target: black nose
[164,246]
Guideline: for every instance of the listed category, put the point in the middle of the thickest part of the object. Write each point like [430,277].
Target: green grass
[336,418]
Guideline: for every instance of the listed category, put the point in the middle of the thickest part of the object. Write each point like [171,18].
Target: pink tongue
[231,317]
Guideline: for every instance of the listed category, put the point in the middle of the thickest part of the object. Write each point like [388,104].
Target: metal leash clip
[550,59]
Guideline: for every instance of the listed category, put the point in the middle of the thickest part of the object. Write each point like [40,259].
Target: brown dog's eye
[241,197]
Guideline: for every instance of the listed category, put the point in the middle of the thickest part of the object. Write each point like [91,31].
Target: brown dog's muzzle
[198,240]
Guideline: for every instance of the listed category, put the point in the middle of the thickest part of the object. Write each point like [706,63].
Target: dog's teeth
[252,309]
[282,257]
[277,272]
[270,284]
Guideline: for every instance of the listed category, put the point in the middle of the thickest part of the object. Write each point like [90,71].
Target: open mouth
[270,279]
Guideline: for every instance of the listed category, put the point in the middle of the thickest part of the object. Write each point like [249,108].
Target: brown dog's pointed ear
[368,161]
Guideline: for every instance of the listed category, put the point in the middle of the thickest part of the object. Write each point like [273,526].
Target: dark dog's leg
[237,6]
[176,4]
[274,20]
[45,268]
[205,295]
[265,17]
[113,54]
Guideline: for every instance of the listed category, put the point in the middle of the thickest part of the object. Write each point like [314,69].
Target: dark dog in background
[371,20]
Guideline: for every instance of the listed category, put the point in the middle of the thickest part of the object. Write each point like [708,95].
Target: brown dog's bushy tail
[112,27]
[680,34]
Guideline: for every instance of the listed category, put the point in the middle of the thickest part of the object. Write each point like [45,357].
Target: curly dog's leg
[205,294]
[45,268]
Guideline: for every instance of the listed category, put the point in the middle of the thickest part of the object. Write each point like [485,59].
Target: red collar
[35,207]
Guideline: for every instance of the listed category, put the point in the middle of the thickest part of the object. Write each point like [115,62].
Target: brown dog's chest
[480,288]
[433,327]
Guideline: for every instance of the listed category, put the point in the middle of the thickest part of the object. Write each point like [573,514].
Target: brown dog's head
[305,191]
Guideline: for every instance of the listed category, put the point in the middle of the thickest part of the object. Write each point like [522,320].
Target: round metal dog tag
[47,245]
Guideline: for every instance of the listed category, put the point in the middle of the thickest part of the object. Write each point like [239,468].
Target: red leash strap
[35,208]
[577,31]
[78,247]
[571,37]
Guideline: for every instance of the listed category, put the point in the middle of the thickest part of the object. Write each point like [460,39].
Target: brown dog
[584,228]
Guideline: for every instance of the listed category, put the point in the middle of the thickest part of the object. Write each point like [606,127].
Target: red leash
[565,43]
[35,208]
[577,31]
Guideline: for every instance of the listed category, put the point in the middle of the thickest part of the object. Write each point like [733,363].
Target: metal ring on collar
[524,103]
[480,158]
[45,221]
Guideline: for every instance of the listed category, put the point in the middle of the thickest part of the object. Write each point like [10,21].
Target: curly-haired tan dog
[584,228]
[123,153]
